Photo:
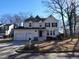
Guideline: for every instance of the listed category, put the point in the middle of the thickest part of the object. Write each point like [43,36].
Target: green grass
[6,40]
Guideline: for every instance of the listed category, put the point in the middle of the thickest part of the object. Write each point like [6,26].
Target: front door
[40,33]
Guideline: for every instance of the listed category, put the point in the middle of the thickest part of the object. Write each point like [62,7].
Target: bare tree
[17,20]
[13,19]
[20,17]
[57,7]
[24,15]
[71,12]
[75,13]
[6,19]
[66,9]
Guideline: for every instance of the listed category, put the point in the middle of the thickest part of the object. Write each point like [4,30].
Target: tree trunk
[65,33]
[74,26]
[70,24]
[64,26]
[70,27]
[74,20]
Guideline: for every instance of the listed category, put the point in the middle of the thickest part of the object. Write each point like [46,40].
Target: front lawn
[6,40]
[56,46]
[66,45]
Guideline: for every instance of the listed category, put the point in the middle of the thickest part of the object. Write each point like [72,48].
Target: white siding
[26,24]
[10,29]
[31,33]
[19,34]
[52,20]
[35,24]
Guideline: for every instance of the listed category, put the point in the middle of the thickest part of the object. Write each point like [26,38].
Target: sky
[34,7]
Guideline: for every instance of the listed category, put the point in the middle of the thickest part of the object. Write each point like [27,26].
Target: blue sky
[34,7]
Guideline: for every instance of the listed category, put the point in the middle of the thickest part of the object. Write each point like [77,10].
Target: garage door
[20,36]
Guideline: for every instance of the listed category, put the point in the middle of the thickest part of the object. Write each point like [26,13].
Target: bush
[6,40]
[6,36]
[35,38]
[60,36]
[49,38]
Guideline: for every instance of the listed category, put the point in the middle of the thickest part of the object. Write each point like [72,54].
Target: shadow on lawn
[58,46]
[74,54]
[65,47]
[76,46]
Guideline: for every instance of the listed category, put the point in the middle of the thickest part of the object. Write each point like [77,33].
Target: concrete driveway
[13,43]
[7,51]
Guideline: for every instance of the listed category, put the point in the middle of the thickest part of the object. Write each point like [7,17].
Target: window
[40,33]
[47,24]
[40,25]
[54,24]
[50,32]
[47,33]
[30,25]
[29,38]
[35,30]
[53,32]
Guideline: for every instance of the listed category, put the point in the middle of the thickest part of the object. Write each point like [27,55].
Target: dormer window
[40,25]
[30,25]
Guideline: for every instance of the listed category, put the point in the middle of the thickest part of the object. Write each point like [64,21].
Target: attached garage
[27,33]
[20,34]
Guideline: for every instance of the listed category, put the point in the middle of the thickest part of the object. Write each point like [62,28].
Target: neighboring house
[37,28]
[2,28]
[2,31]
[6,29]
[9,29]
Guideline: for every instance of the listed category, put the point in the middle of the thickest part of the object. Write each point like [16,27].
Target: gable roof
[38,19]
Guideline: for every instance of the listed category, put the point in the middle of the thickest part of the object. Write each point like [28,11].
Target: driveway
[13,43]
[7,51]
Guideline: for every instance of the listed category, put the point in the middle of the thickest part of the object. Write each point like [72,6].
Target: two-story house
[37,28]
[6,30]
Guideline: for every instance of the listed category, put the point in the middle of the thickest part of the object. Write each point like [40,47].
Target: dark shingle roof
[36,19]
